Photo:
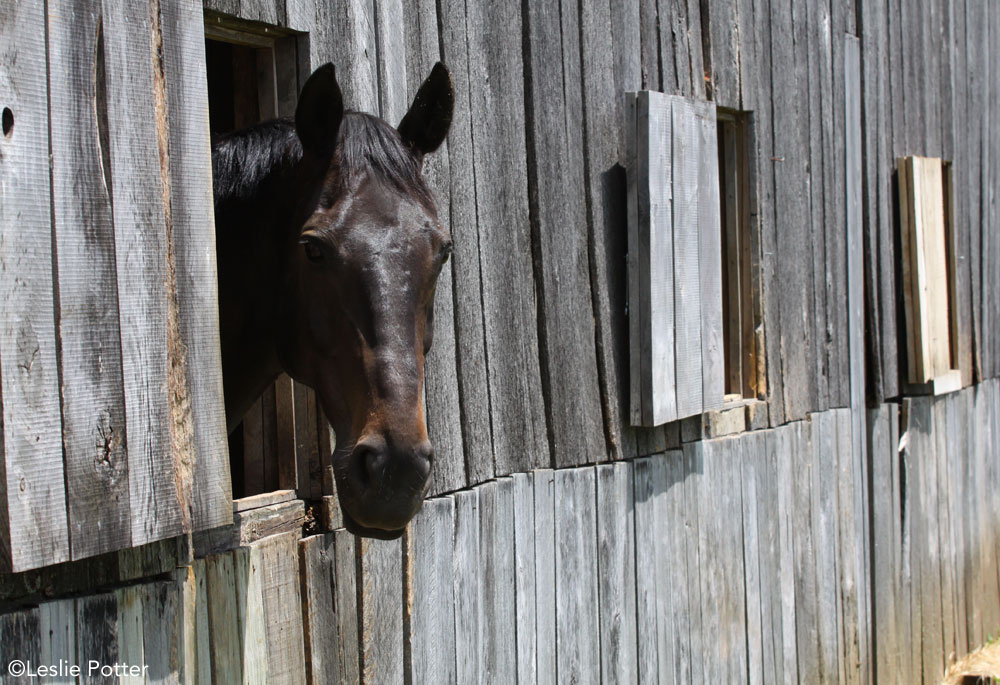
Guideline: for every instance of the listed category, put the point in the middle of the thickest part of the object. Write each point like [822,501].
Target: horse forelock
[244,160]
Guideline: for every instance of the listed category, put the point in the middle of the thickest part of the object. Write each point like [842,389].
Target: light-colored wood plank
[616,572]
[645,570]
[248,570]
[264,499]
[497,647]
[90,340]
[465,567]
[545,569]
[135,121]
[130,630]
[430,604]
[686,159]
[524,575]
[713,365]
[380,596]
[578,652]
[161,633]
[57,631]
[345,597]
[278,557]
[33,531]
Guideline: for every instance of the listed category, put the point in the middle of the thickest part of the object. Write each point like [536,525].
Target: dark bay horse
[329,249]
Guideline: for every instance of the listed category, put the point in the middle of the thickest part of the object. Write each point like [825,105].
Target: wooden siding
[740,559]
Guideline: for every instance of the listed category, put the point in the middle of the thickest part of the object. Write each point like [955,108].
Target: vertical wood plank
[93,400]
[345,597]
[578,650]
[713,366]
[317,555]
[130,629]
[97,631]
[686,160]
[57,630]
[611,65]
[140,221]
[223,619]
[161,633]
[645,570]
[431,614]
[497,647]
[391,60]
[616,572]
[467,285]
[278,560]
[543,481]
[558,214]
[33,497]
[19,641]
[206,464]
[248,574]
[524,577]
[750,458]
[381,610]
[465,562]
[825,538]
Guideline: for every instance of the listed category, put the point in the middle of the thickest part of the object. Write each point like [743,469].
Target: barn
[714,388]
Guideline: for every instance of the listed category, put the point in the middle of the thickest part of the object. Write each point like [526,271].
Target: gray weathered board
[674,266]
[110,354]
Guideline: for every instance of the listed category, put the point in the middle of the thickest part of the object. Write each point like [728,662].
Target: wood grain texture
[497,646]
[467,286]
[140,223]
[525,591]
[93,398]
[577,623]
[543,481]
[645,570]
[496,72]
[278,559]
[380,599]
[223,619]
[317,554]
[162,632]
[20,641]
[57,633]
[465,561]
[441,384]
[710,265]
[248,571]
[430,604]
[33,499]
[686,160]
[610,66]
[130,629]
[391,44]
[97,629]
[557,204]
[345,597]
[616,572]
[205,462]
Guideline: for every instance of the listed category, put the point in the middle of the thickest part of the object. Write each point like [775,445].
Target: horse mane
[245,160]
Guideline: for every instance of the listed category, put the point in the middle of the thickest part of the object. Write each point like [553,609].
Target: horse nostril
[374,461]
[424,458]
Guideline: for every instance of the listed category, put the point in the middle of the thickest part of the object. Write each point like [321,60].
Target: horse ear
[426,124]
[320,109]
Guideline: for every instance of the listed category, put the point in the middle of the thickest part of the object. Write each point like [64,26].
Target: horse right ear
[319,112]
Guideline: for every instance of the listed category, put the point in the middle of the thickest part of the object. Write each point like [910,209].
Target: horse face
[361,278]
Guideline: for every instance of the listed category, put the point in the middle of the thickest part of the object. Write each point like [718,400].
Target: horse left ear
[426,124]
[319,112]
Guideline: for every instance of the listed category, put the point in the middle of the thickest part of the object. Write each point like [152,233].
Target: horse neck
[253,221]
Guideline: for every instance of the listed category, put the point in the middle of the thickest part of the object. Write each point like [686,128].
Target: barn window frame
[282,446]
[742,316]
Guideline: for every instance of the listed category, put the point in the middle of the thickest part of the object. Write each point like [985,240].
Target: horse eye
[314,253]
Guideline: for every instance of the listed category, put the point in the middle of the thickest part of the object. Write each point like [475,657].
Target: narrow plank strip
[33,495]
[97,630]
[248,572]
[345,597]
[278,560]
[223,619]
[130,631]
[206,463]
[380,595]
[20,644]
[430,604]
[710,266]
[140,221]
[497,647]
[578,650]
[465,562]
[162,633]
[524,577]
[57,630]
[93,396]
[645,570]
[616,572]
[317,555]
[543,481]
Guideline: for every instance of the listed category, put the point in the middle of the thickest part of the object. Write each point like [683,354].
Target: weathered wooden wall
[113,429]
[734,559]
